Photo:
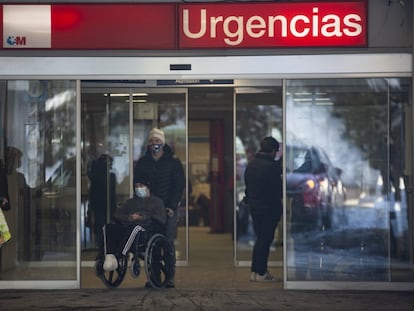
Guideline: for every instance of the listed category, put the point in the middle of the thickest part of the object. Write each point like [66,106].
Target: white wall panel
[230,67]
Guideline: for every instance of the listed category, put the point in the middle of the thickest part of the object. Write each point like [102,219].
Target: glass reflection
[106,147]
[252,105]
[105,165]
[41,168]
[346,179]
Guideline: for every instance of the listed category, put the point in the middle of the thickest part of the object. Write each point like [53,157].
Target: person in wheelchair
[142,209]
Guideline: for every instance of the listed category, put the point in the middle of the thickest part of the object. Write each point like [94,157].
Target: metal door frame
[129,87]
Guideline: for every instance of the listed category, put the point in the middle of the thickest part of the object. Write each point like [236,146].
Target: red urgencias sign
[290,24]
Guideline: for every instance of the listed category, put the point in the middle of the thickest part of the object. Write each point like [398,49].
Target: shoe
[170,284]
[267,277]
[110,263]
[253,276]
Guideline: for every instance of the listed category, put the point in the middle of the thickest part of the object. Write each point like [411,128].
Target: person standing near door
[164,175]
[4,189]
[102,195]
[264,197]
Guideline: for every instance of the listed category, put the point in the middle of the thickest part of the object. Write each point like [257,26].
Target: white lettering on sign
[235,28]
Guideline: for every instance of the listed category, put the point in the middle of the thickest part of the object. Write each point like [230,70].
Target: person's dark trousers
[264,223]
[170,233]
[115,236]
[99,222]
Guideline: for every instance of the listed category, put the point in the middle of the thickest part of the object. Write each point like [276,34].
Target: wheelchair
[149,246]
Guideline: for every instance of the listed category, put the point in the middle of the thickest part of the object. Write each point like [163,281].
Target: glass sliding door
[116,122]
[258,113]
[348,165]
[165,109]
[38,126]
[105,161]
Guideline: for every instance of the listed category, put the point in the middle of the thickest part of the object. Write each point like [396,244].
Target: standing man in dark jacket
[102,195]
[264,196]
[164,175]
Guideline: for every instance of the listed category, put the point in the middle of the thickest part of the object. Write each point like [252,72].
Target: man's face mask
[141,192]
[155,148]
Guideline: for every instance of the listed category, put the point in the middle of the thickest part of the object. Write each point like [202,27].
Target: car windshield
[295,157]
[302,160]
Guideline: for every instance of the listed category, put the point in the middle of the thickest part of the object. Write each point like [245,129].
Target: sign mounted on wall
[169,26]
[90,26]
[290,24]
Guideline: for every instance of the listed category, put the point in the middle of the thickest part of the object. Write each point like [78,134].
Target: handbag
[4,229]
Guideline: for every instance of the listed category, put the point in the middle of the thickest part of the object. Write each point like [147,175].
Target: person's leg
[170,232]
[267,237]
[99,222]
[127,236]
[264,222]
[112,235]
[259,220]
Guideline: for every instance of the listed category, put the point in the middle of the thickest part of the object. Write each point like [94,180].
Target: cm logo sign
[16,41]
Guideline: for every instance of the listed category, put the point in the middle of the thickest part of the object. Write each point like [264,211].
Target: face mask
[141,192]
[155,148]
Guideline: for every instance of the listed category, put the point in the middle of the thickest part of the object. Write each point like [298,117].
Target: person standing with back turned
[164,175]
[264,197]
[4,189]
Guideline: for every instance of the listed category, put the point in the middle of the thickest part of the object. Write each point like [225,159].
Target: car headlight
[309,185]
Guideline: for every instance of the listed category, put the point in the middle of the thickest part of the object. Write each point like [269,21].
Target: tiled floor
[211,265]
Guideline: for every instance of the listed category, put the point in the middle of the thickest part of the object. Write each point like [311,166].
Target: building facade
[331,80]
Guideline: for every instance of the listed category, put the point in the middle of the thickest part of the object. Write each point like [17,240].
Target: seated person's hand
[135,217]
[170,212]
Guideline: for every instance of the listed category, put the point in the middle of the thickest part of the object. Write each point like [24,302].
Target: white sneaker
[267,277]
[110,263]
[253,276]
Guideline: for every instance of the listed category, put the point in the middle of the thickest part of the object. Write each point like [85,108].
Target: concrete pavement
[188,299]
[210,282]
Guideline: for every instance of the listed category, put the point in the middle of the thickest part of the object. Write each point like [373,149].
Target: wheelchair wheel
[158,261]
[112,279]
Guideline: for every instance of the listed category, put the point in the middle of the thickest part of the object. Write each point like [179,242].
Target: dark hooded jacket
[164,177]
[263,182]
[103,187]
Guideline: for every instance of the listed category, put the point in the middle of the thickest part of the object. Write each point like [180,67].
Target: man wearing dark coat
[264,193]
[164,175]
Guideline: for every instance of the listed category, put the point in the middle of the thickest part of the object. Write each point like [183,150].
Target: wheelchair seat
[144,244]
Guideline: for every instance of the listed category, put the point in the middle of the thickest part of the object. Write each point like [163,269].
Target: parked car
[313,186]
